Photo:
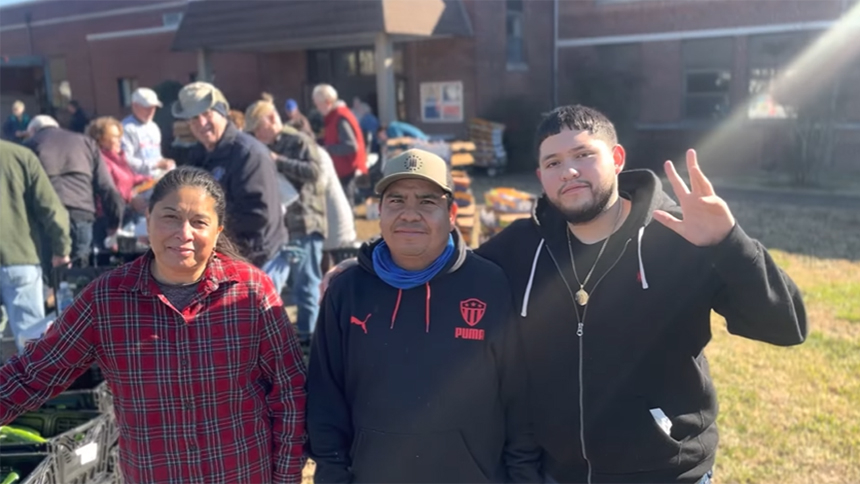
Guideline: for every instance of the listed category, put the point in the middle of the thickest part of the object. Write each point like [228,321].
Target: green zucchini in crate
[14,434]
[31,468]
[76,439]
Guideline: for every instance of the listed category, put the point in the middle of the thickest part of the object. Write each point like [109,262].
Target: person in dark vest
[342,138]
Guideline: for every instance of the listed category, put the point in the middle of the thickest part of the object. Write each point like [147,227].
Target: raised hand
[707,218]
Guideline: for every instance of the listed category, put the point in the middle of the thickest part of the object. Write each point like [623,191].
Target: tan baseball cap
[197,98]
[416,163]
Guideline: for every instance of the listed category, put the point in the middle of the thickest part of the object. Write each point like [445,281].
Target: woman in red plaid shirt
[204,365]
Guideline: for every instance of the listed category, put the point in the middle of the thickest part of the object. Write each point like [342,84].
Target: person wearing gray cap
[244,168]
[414,367]
[141,138]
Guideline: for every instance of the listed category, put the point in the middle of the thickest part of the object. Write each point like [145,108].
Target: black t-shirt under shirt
[585,255]
[180,295]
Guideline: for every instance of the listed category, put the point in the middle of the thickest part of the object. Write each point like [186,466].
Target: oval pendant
[581,297]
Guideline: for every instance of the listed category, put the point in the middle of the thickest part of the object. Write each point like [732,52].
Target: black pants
[348,185]
[81,231]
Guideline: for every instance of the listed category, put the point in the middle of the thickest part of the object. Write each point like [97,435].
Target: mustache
[409,227]
[572,184]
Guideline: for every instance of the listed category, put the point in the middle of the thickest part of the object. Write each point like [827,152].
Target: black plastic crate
[34,468]
[76,440]
[77,277]
[88,392]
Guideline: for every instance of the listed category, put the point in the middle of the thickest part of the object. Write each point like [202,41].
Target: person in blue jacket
[15,126]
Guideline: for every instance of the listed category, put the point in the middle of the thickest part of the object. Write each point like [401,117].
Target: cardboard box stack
[504,206]
[489,147]
[395,146]
[467,220]
[462,154]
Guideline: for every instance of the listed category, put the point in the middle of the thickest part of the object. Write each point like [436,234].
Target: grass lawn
[792,415]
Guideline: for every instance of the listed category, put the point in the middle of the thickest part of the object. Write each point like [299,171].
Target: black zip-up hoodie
[641,344]
[419,385]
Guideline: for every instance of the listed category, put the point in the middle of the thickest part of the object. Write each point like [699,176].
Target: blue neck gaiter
[400,278]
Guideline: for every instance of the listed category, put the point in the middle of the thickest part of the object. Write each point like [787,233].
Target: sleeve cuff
[735,250]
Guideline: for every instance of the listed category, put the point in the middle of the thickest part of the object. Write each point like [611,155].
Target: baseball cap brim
[193,110]
[387,181]
[148,104]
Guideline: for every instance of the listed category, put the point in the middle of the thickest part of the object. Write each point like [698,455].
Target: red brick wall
[441,60]
[283,75]
[662,84]
[93,67]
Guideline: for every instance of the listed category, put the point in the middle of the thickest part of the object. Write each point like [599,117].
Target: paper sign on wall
[442,102]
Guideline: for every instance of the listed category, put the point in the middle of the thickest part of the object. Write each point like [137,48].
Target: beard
[600,197]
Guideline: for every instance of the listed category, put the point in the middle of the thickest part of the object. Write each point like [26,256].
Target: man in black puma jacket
[615,284]
[415,372]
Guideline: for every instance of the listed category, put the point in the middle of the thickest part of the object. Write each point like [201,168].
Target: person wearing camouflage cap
[414,370]
[244,168]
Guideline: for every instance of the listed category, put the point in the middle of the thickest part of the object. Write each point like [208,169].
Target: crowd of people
[568,348]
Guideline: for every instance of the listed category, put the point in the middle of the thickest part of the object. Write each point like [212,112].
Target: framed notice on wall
[442,102]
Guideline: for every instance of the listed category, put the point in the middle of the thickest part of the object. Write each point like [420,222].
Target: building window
[61,90]
[345,64]
[707,78]
[398,60]
[366,62]
[514,30]
[126,86]
[769,59]
[707,94]
[171,19]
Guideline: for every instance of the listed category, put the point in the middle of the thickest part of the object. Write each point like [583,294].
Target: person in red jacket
[342,138]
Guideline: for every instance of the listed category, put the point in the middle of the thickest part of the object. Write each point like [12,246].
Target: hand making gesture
[707,219]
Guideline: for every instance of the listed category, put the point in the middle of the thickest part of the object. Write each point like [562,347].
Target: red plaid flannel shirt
[212,394]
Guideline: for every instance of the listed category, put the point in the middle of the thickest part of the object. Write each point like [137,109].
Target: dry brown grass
[792,415]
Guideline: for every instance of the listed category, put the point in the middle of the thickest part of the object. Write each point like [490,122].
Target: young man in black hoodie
[415,373]
[615,284]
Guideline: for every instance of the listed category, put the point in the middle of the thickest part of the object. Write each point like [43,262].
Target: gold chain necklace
[581,295]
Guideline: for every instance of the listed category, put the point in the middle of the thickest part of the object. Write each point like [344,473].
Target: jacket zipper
[579,333]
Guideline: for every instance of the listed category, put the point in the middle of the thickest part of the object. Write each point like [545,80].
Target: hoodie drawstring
[396,307]
[525,310]
[426,308]
[641,265]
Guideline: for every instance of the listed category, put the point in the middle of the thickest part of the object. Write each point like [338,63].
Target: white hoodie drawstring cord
[525,310]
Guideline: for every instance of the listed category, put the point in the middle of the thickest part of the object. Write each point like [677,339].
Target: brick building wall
[665,127]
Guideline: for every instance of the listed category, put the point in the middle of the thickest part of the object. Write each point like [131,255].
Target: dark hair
[75,104]
[187,176]
[578,118]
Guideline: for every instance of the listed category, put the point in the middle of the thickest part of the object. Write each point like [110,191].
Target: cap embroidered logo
[413,163]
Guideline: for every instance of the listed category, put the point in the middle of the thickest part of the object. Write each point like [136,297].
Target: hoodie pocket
[628,439]
[432,457]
